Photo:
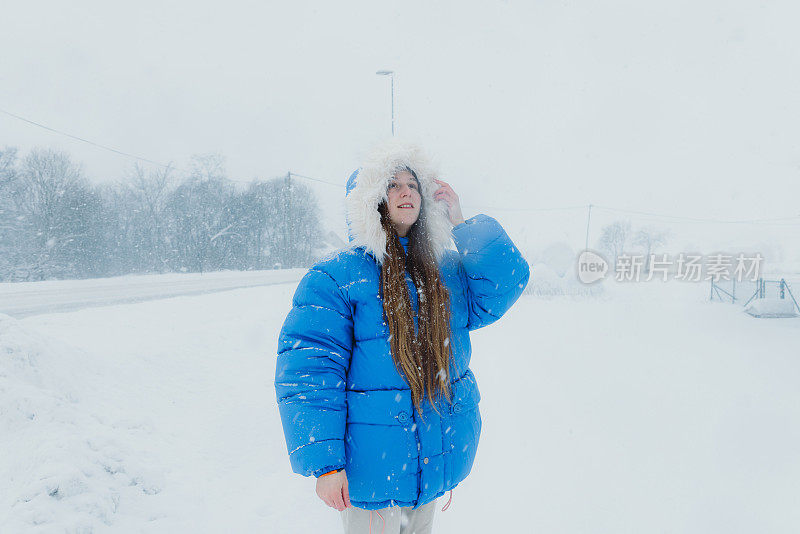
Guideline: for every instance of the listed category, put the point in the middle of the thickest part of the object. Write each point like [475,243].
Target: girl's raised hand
[446,193]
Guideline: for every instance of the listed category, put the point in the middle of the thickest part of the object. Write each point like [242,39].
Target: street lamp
[391,74]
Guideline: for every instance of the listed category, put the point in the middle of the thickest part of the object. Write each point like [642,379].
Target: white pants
[399,520]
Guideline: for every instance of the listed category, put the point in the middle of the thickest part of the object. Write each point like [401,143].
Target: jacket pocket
[380,446]
[462,430]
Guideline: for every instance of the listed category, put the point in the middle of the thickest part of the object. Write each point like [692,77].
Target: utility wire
[114,150]
[320,180]
[565,208]
[676,218]
[98,145]
[698,219]
[327,182]
[140,158]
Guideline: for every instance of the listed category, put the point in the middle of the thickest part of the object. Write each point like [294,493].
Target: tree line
[54,224]
[618,238]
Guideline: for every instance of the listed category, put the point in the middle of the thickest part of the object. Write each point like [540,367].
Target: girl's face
[404,202]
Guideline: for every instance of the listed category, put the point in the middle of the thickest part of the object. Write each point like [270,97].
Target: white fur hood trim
[371,183]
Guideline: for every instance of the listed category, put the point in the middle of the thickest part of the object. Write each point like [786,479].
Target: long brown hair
[422,358]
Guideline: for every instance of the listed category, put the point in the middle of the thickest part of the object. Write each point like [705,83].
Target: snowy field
[645,409]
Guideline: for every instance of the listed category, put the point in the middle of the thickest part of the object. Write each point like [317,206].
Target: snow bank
[547,282]
[62,465]
[771,308]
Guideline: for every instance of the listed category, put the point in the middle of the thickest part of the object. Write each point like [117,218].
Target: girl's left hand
[446,193]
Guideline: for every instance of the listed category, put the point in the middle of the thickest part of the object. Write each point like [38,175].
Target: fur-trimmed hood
[367,187]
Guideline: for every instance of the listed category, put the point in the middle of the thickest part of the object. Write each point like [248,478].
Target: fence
[748,290]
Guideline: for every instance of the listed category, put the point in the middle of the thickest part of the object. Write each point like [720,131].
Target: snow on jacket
[342,402]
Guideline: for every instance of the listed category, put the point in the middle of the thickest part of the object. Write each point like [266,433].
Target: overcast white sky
[683,107]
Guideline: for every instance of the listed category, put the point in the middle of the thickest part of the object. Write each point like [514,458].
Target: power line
[565,208]
[769,221]
[315,179]
[98,145]
[699,219]
[494,208]
[123,153]
[134,156]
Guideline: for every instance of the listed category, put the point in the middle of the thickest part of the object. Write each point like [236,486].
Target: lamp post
[389,73]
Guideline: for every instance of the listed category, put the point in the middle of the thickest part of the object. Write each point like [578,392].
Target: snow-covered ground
[643,409]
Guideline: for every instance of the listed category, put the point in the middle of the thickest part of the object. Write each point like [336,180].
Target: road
[33,298]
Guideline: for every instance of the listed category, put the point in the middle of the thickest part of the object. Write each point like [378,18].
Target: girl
[373,382]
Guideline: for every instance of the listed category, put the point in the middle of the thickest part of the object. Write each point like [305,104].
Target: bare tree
[649,238]
[8,162]
[254,215]
[146,195]
[294,229]
[53,224]
[200,224]
[58,214]
[10,224]
[47,183]
[204,167]
[615,238]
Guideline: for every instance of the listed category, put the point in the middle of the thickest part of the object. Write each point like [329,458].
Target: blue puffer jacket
[342,402]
